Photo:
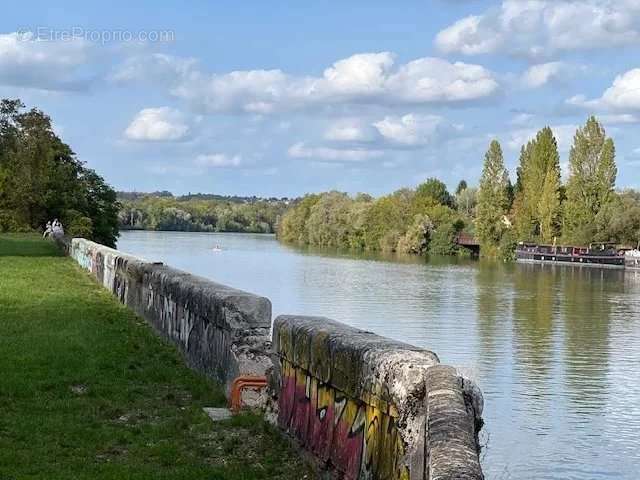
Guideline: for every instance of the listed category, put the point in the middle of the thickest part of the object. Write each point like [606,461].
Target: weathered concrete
[363,406]
[371,408]
[222,331]
[218,414]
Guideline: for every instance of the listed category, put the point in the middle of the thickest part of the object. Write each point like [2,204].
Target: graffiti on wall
[357,439]
[199,337]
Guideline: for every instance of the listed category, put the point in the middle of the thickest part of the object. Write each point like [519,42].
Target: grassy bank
[87,390]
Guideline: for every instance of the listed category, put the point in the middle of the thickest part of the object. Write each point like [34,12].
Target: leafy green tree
[328,223]
[619,220]
[386,220]
[41,178]
[293,226]
[538,204]
[431,192]
[416,239]
[592,176]
[492,198]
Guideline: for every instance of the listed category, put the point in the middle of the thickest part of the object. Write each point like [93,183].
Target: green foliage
[199,213]
[78,225]
[9,222]
[538,190]
[387,219]
[416,239]
[493,198]
[443,239]
[432,192]
[462,185]
[507,248]
[619,219]
[591,183]
[405,221]
[466,201]
[537,207]
[41,179]
[293,228]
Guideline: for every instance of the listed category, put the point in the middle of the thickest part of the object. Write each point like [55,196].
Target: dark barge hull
[587,260]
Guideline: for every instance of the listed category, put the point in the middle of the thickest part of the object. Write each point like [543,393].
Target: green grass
[88,391]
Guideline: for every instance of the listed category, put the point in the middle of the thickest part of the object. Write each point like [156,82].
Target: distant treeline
[539,207]
[199,212]
[41,179]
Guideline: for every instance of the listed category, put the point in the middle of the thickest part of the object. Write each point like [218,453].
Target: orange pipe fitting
[239,384]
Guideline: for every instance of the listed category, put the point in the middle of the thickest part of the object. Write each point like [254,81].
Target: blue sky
[283,98]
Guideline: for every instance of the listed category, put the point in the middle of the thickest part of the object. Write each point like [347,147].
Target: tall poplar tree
[493,197]
[592,177]
[538,204]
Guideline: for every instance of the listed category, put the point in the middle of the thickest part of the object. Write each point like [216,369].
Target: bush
[508,245]
[416,240]
[443,240]
[9,222]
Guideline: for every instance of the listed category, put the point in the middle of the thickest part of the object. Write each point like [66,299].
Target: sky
[284,98]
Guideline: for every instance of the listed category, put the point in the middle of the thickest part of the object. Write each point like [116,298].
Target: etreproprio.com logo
[42,33]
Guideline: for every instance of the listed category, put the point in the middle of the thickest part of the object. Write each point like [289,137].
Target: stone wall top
[357,362]
[202,295]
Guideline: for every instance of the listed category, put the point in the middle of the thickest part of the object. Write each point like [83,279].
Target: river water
[555,349]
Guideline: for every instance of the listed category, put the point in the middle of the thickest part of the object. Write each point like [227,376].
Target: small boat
[601,255]
[217,248]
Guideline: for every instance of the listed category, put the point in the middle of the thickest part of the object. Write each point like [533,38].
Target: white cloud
[26,61]
[219,160]
[410,129]
[543,73]
[538,28]
[563,133]
[350,130]
[522,118]
[157,125]
[619,118]
[623,95]
[369,78]
[300,150]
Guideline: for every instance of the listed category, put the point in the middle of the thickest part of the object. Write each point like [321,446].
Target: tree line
[198,213]
[537,208]
[41,179]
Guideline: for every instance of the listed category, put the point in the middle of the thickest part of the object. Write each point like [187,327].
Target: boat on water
[632,259]
[601,255]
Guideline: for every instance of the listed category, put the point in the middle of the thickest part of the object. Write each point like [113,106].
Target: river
[555,349]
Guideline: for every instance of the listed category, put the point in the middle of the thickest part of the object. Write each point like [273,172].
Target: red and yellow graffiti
[359,440]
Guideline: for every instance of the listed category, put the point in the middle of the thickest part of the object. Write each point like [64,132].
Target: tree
[549,206]
[431,192]
[466,201]
[538,188]
[462,185]
[492,197]
[41,179]
[592,176]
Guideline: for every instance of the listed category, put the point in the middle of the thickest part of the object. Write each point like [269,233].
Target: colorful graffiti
[357,439]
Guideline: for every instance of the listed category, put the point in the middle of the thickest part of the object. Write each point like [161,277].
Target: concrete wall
[371,408]
[222,331]
[363,406]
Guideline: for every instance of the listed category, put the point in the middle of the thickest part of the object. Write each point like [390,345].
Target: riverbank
[90,391]
[550,346]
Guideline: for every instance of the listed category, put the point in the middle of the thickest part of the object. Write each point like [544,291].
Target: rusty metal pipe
[239,384]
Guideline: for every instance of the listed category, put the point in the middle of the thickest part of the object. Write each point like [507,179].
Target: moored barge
[600,255]
[632,259]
